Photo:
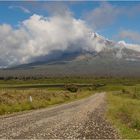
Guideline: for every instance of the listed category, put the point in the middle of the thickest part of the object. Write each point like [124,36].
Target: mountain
[108,58]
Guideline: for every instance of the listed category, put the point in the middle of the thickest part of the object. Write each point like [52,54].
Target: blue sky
[12,13]
[31,30]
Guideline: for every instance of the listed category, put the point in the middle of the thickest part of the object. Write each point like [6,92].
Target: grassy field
[15,100]
[124,111]
[123,97]
[68,80]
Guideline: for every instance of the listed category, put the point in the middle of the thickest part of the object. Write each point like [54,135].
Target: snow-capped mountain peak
[122,43]
[120,49]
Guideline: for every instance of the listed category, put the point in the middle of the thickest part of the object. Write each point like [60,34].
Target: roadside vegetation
[123,97]
[124,111]
[16,100]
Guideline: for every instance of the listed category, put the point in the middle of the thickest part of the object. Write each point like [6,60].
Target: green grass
[123,97]
[69,80]
[124,113]
[15,100]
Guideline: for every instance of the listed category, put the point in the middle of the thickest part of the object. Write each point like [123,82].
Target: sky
[33,29]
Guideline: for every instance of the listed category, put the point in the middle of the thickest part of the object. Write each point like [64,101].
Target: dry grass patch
[15,100]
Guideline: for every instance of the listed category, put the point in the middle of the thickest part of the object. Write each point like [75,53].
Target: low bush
[71,88]
[124,91]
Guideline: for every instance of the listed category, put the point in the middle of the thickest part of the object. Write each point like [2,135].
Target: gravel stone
[82,119]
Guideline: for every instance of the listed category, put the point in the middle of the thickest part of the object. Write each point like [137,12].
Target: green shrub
[135,124]
[124,91]
[71,88]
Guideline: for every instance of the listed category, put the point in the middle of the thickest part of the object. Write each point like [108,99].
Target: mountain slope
[107,58]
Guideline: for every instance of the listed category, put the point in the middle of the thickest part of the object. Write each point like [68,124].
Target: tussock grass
[124,112]
[15,100]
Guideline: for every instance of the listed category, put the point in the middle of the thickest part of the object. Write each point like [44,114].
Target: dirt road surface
[82,119]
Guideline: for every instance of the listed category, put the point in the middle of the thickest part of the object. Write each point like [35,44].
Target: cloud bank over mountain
[38,36]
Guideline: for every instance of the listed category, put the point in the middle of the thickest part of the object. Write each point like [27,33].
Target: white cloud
[38,36]
[135,47]
[122,44]
[102,16]
[128,34]
[106,14]
[25,10]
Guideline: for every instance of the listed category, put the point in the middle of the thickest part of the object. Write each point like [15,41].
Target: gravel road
[82,119]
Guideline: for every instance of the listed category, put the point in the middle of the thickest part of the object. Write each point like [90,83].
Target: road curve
[80,119]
